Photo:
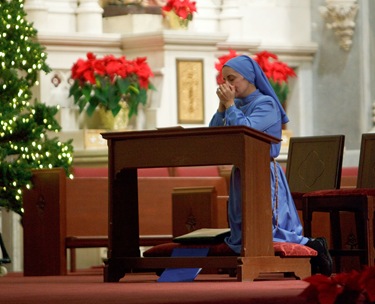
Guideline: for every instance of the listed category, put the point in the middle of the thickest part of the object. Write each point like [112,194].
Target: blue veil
[252,72]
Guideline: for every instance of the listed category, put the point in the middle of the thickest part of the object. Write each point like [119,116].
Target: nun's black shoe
[322,263]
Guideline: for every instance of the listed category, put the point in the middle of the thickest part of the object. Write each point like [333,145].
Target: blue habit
[261,112]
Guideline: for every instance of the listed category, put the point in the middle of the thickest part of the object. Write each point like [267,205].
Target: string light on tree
[24,123]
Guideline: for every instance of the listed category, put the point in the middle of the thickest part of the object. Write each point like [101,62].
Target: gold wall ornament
[340,16]
[190,91]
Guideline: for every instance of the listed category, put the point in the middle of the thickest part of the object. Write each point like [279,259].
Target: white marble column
[89,17]
[61,16]
[206,19]
[37,13]
[12,233]
[231,19]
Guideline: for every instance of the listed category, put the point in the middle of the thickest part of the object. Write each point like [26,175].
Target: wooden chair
[360,201]
[314,163]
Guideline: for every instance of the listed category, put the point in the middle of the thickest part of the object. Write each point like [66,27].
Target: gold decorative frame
[190,104]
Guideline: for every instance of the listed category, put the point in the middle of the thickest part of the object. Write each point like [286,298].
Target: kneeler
[294,256]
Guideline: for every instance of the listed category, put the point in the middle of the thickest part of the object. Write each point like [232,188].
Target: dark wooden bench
[63,214]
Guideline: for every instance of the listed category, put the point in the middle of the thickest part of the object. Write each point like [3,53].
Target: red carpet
[88,287]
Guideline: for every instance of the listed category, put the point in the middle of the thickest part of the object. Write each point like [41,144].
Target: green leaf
[102,95]
[86,91]
[73,89]
[134,88]
[142,96]
[113,100]
[116,110]
[93,103]
[123,85]
[281,90]
[151,87]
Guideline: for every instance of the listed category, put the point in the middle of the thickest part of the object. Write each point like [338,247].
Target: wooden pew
[63,214]
[155,200]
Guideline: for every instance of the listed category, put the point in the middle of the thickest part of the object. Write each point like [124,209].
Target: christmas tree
[25,124]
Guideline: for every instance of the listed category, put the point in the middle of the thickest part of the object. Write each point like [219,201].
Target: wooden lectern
[246,148]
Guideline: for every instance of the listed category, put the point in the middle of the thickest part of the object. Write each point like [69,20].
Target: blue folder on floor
[183,274]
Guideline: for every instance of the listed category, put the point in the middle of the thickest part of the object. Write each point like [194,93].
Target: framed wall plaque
[190,91]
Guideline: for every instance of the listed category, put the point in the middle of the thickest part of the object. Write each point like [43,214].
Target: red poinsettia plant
[352,287]
[182,8]
[110,82]
[277,72]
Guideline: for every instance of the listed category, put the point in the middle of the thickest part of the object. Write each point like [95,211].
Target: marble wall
[342,91]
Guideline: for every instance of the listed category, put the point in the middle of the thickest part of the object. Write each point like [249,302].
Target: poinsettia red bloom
[109,81]
[367,282]
[275,70]
[142,69]
[263,59]
[321,289]
[350,280]
[351,287]
[183,8]
[281,72]
[83,70]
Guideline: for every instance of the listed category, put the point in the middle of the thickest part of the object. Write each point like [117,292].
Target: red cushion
[342,192]
[292,250]
[281,249]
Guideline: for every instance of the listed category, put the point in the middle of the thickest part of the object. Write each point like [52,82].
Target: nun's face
[241,86]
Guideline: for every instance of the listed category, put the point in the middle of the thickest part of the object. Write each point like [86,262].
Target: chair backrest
[315,162]
[366,167]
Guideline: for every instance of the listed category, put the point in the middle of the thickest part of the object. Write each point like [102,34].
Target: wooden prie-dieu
[243,147]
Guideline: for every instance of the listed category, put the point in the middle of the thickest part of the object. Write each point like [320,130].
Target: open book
[204,235]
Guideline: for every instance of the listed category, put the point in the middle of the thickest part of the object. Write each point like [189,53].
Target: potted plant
[110,84]
[179,12]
